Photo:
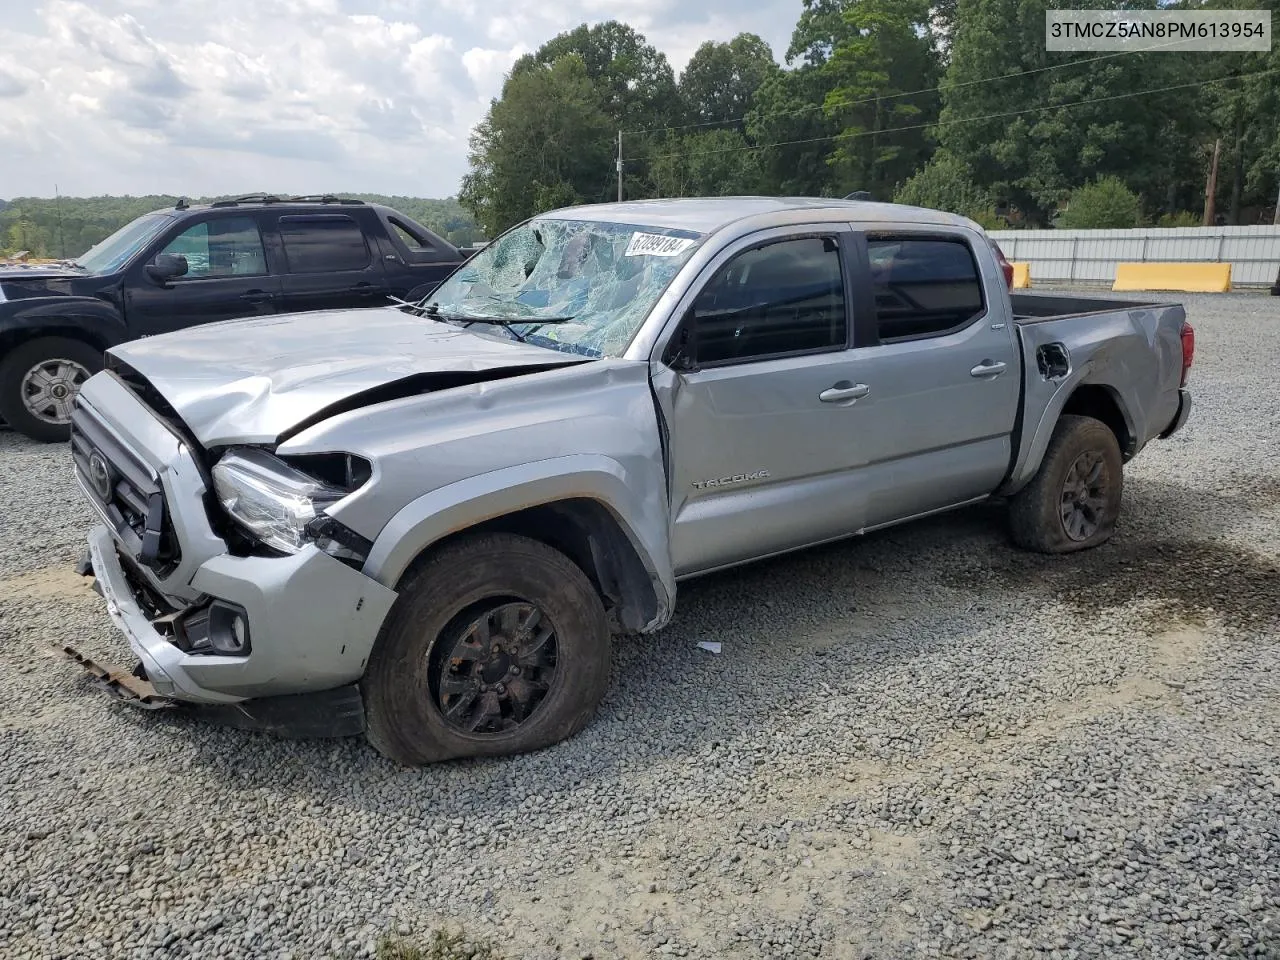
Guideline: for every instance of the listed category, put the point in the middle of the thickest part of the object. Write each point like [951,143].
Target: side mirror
[683,353]
[168,266]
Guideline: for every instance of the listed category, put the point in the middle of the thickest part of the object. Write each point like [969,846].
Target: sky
[207,97]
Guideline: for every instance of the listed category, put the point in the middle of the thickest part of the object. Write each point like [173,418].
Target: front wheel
[39,380]
[497,645]
[1073,502]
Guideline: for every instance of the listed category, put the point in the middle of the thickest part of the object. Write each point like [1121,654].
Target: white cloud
[143,96]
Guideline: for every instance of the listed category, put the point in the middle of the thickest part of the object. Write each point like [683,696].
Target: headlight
[271,499]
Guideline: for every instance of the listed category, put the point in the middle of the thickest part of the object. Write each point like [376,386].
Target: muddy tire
[497,645]
[1073,501]
[38,383]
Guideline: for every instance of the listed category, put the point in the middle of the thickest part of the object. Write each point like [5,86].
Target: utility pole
[619,166]
[62,238]
[1212,187]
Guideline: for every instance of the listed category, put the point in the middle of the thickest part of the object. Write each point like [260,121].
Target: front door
[227,277]
[761,450]
[943,374]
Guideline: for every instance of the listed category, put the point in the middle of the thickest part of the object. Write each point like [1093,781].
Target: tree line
[69,226]
[953,104]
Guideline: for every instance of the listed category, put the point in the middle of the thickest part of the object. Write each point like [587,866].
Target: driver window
[781,298]
[227,247]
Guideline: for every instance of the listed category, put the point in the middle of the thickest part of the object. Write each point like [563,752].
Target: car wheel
[1073,502]
[497,645]
[39,380]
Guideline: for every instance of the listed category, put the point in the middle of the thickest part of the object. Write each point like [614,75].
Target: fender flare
[1033,449]
[85,318]
[455,507]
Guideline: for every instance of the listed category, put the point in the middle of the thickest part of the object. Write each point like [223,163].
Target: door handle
[988,369]
[257,296]
[364,289]
[844,390]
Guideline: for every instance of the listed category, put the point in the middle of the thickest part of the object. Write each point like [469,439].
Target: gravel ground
[924,743]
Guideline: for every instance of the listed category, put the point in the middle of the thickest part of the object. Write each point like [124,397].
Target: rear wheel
[39,380]
[498,645]
[1073,502]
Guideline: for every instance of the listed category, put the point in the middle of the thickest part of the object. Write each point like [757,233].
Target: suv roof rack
[247,198]
[323,198]
[271,198]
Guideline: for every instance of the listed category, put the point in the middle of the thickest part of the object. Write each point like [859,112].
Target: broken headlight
[281,506]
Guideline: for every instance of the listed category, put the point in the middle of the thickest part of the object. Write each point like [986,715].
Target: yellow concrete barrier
[1184,277]
[1021,276]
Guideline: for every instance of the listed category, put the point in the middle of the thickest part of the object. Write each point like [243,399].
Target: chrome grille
[125,491]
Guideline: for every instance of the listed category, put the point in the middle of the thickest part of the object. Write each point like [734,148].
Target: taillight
[1005,266]
[1188,350]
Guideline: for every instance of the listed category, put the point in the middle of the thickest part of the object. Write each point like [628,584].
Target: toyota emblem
[100,475]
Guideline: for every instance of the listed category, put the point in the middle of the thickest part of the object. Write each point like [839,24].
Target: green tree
[1033,136]
[633,82]
[946,183]
[545,142]
[719,83]
[883,53]
[707,163]
[1105,204]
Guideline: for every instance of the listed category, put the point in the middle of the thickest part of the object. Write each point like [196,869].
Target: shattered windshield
[579,286]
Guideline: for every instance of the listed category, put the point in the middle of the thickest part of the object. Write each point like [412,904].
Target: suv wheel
[497,645]
[39,381]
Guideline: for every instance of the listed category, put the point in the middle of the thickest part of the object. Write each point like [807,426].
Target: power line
[910,93]
[950,123]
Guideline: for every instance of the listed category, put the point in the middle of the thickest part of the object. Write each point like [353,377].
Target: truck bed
[1131,350]
[1038,307]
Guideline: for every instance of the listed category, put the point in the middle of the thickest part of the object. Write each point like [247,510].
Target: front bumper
[312,622]
[1180,418]
[312,619]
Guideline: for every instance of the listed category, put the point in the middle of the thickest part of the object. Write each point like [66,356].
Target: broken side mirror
[167,266]
[682,356]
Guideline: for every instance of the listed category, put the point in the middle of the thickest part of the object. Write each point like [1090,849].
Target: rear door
[330,262]
[228,276]
[937,352]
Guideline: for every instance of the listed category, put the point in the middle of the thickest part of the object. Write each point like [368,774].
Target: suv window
[924,287]
[415,243]
[323,243]
[784,297]
[225,247]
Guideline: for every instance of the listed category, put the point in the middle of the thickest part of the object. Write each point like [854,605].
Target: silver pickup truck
[424,522]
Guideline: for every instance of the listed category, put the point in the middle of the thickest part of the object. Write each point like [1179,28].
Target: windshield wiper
[433,311]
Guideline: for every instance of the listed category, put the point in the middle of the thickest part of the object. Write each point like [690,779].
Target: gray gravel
[924,743]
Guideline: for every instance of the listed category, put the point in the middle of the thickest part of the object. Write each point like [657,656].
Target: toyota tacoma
[425,523]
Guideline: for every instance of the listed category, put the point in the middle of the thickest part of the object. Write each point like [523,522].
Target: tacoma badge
[725,481]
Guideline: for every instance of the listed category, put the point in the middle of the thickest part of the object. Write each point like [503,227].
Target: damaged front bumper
[297,679]
[311,622]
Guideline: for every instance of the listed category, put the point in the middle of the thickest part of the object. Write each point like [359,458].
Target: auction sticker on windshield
[656,245]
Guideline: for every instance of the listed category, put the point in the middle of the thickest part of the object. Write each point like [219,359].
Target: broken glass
[605,276]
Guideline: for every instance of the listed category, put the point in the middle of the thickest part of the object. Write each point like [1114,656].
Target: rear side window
[410,237]
[924,287]
[323,244]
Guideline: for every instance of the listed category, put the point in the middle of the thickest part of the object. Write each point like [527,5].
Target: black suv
[175,268]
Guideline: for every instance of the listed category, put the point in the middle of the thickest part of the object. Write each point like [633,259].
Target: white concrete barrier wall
[1090,256]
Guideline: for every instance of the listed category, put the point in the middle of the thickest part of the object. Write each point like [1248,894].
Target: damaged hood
[252,380]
